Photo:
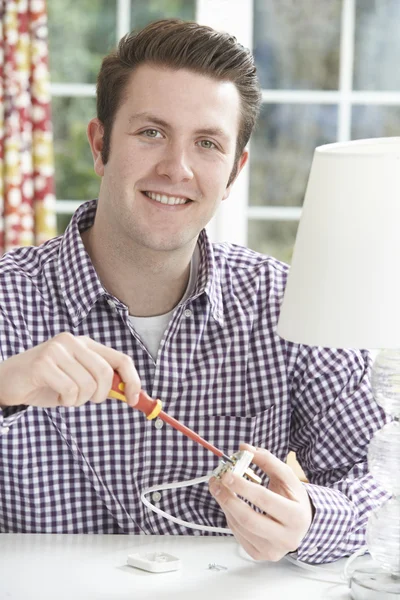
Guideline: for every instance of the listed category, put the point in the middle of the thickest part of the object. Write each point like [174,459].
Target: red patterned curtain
[27,200]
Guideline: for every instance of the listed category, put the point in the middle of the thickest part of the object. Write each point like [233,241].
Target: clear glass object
[383,531]
[383,536]
[384,457]
[386,381]
[381,581]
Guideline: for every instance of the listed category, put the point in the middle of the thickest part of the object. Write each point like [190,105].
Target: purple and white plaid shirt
[221,369]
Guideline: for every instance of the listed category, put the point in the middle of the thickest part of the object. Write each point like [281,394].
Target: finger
[261,536]
[248,546]
[255,546]
[72,353]
[251,521]
[57,369]
[276,506]
[121,363]
[79,346]
[273,466]
[79,374]
[64,389]
[92,373]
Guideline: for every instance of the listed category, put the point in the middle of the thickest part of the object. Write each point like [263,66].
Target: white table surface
[93,567]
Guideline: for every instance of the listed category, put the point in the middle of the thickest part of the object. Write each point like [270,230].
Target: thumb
[270,464]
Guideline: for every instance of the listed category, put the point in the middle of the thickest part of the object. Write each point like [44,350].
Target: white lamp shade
[343,289]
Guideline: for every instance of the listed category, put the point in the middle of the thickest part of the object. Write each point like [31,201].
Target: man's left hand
[287,511]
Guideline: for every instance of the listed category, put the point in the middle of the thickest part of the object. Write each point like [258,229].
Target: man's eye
[207,144]
[151,133]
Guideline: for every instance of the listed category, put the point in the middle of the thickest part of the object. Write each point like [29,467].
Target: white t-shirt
[151,329]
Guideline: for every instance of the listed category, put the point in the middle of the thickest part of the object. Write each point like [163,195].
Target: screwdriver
[153,408]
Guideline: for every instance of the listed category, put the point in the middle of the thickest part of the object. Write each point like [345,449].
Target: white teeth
[165,199]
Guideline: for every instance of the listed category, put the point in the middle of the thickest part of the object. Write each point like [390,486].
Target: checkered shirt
[221,369]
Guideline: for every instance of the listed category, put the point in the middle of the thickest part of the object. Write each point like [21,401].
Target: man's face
[172,151]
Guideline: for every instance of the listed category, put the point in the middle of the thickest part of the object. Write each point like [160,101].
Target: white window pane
[145,11]
[75,176]
[297,43]
[282,149]
[375,121]
[274,238]
[377,45]
[62,222]
[80,34]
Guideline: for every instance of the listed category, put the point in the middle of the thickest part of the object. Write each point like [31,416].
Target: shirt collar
[209,278]
[80,284]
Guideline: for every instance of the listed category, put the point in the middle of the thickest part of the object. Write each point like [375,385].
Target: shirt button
[312,551]
[156,497]
[188,312]
[111,303]
[4,430]
[158,423]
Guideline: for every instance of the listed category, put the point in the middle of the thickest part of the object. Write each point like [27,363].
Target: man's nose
[175,164]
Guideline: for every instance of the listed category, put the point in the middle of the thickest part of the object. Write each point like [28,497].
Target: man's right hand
[65,371]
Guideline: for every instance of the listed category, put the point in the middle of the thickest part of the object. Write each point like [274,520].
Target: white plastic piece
[155,562]
[242,460]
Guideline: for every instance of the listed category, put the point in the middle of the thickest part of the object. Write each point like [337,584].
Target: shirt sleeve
[11,343]
[334,417]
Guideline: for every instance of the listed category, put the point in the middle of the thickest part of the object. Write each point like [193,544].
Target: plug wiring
[180,484]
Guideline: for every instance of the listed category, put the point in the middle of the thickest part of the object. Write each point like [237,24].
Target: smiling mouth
[164,199]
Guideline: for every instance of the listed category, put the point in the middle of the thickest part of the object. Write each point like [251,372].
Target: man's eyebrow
[145,116]
[213,132]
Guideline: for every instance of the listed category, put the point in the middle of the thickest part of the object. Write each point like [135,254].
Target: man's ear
[95,132]
[240,164]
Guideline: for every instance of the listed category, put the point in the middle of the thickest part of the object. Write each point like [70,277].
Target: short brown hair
[179,45]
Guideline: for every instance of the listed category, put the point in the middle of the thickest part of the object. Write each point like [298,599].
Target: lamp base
[370,582]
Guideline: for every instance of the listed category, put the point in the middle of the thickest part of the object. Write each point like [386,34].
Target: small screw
[214,567]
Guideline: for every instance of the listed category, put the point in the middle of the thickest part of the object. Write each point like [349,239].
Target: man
[135,286]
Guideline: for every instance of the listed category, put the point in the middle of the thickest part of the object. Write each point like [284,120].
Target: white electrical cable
[344,578]
[319,570]
[180,484]
[344,575]
[359,552]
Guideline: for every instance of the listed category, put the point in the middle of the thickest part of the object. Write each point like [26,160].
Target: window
[328,71]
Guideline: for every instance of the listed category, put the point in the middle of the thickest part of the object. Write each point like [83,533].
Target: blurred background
[328,69]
